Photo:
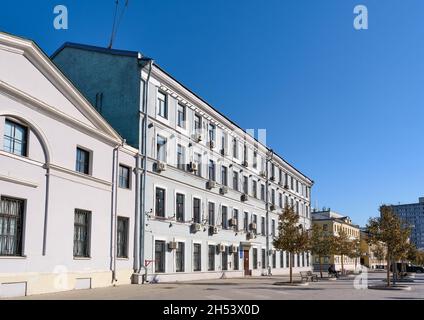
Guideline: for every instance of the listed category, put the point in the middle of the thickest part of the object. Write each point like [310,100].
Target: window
[224,138]
[281,259]
[124,177]
[83,161]
[263,258]
[82,221]
[160,202]
[236,216]
[180,205]
[236,260]
[245,185]
[273,227]
[162,105]
[211,258]
[273,197]
[181,116]
[274,260]
[211,214]
[225,259]
[263,226]
[235,148]
[197,257]
[181,157]
[255,160]
[198,160]
[286,181]
[287,260]
[307,259]
[224,176]
[255,221]
[196,211]
[292,183]
[159,256]
[297,186]
[212,170]
[246,221]
[212,130]
[255,258]
[197,124]
[235,180]
[161,148]
[281,200]
[280,176]
[15,138]
[245,154]
[224,217]
[298,260]
[272,170]
[11,226]
[303,259]
[262,192]
[255,188]
[179,257]
[122,237]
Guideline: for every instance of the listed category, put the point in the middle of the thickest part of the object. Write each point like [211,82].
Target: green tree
[388,228]
[343,246]
[291,236]
[356,251]
[379,250]
[321,243]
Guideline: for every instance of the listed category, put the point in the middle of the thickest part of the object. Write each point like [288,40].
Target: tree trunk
[320,266]
[342,264]
[388,271]
[291,267]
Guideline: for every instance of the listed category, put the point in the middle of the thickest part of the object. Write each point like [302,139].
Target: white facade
[38,255]
[163,227]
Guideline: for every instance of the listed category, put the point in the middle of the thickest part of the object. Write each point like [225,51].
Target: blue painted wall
[117,77]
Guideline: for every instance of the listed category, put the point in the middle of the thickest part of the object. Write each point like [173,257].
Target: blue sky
[344,106]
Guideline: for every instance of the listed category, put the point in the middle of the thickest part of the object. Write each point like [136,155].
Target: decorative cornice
[20,181]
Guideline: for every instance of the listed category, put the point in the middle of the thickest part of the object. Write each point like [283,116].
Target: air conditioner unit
[213,230]
[262,174]
[160,166]
[172,245]
[221,248]
[197,137]
[211,184]
[192,167]
[244,197]
[245,163]
[233,222]
[272,207]
[233,249]
[195,227]
[253,226]
[250,235]
[211,144]
[223,190]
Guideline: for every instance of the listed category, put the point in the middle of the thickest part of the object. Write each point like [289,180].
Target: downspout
[267,213]
[115,209]
[46,208]
[143,156]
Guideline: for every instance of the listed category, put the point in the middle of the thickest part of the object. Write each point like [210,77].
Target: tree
[379,251]
[356,251]
[388,228]
[291,236]
[343,246]
[321,243]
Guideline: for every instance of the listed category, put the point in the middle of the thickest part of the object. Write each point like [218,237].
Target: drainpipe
[115,209]
[268,159]
[46,207]
[143,156]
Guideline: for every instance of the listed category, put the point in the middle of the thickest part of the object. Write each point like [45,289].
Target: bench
[308,276]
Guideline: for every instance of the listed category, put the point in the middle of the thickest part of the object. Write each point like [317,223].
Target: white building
[206,180]
[66,182]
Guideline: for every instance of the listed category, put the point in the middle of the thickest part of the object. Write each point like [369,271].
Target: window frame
[128,185]
[126,236]
[87,253]
[25,142]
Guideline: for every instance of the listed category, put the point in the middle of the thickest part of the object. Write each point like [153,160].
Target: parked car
[404,267]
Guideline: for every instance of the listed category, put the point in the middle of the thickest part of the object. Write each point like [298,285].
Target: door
[246,263]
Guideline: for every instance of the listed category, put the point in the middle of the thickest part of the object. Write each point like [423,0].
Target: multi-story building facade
[212,193]
[66,182]
[335,223]
[413,215]
[373,255]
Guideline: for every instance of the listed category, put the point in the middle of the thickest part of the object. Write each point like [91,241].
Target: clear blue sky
[344,106]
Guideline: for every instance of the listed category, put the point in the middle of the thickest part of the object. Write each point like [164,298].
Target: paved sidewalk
[255,288]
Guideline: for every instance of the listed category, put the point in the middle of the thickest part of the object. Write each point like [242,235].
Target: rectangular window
[224,138]
[212,130]
[246,221]
[179,257]
[15,138]
[245,185]
[235,148]
[255,221]
[197,124]
[235,180]
[225,259]
[245,154]
[236,216]
[211,258]
[198,160]
[212,170]
[303,259]
[281,259]
[280,200]
[255,188]
[280,176]
[255,258]
[82,221]
[83,161]
[262,192]
[11,226]
[224,217]
[124,177]
[162,105]
[291,183]
[197,257]
[160,203]
[272,170]
[255,160]
[298,260]
[196,211]
[211,214]
[180,206]
[236,260]
[263,226]
[273,227]
[161,148]
[224,176]
[181,163]
[273,197]
[122,237]
[181,116]
[287,260]
[159,256]
[274,260]
[263,258]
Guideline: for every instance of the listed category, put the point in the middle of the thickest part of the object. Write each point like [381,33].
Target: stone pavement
[255,288]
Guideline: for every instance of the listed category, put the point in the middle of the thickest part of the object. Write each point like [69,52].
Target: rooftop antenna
[116,23]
